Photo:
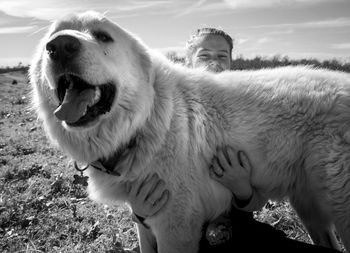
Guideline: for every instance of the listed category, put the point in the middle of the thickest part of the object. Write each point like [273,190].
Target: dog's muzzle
[63,48]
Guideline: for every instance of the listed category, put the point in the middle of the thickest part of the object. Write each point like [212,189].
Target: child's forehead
[212,41]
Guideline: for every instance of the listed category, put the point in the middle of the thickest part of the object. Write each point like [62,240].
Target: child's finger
[148,186]
[135,186]
[216,169]
[222,160]
[233,157]
[245,161]
[161,202]
[224,180]
[157,192]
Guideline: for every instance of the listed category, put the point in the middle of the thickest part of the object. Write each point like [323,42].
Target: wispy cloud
[52,9]
[192,8]
[180,51]
[263,40]
[239,4]
[329,23]
[341,46]
[241,41]
[216,7]
[5,20]
[339,22]
[17,29]
[281,32]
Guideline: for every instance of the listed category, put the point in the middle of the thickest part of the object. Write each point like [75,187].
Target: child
[210,49]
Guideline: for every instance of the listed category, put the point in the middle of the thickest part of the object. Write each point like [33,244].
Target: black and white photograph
[162,126]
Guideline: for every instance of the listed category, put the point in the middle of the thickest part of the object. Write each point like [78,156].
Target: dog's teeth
[70,85]
[69,81]
[97,95]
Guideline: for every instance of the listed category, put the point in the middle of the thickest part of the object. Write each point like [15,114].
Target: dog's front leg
[315,219]
[182,236]
[147,240]
[180,241]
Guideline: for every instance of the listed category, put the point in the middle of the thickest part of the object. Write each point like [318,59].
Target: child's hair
[192,43]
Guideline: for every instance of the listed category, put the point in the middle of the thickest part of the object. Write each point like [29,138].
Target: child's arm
[146,197]
[233,170]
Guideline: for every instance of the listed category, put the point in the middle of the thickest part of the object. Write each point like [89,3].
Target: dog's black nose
[63,48]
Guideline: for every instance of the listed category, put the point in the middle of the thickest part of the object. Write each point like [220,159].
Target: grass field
[42,210]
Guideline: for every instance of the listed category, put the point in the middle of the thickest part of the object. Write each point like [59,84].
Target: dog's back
[294,123]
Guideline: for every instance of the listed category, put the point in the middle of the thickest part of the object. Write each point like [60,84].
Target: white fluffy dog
[107,99]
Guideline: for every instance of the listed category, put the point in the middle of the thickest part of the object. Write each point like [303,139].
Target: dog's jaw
[87,144]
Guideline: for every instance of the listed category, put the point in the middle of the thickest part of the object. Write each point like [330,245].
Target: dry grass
[41,210]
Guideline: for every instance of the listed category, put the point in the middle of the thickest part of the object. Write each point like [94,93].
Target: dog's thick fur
[293,123]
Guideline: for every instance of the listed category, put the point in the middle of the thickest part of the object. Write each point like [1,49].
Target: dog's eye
[103,36]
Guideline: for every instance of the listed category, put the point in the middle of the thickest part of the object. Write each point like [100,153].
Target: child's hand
[147,197]
[232,169]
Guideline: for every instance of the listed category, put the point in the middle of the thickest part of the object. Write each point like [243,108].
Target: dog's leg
[177,232]
[317,222]
[179,240]
[338,187]
[147,240]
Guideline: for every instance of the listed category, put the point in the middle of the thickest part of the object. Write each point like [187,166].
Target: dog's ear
[144,59]
[146,65]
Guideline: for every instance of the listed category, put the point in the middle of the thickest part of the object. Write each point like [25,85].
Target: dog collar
[108,165]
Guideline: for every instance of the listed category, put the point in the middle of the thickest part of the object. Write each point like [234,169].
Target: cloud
[192,8]
[216,7]
[263,40]
[329,23]
[52,9]
[236,4]
[17,29]
[180,51]
[240,4]
[341,46]
[339,22]
[241,41]
[281,32]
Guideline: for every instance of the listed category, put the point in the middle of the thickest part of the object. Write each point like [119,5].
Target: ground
[43,210]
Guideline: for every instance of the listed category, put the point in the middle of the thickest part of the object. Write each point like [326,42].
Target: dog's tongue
[74,104]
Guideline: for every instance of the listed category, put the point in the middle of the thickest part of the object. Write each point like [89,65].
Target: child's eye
[204,56]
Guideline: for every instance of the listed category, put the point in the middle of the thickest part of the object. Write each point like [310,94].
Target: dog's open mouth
[81,102]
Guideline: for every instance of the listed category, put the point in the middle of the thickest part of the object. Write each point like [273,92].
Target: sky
[296,28]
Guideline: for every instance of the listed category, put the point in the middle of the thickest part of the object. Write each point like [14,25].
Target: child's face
[212,53]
